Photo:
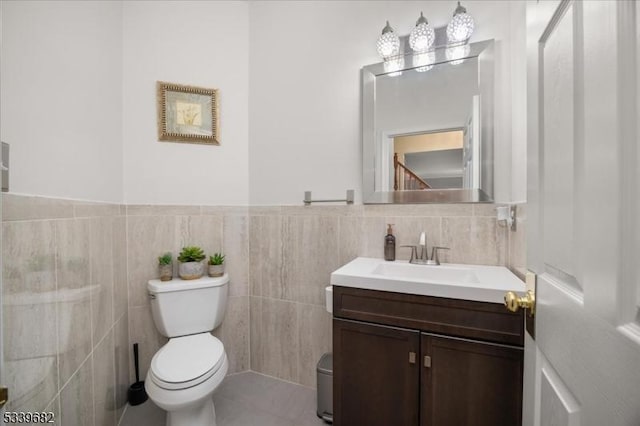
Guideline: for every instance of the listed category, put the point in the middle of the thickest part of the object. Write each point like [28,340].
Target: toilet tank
[182,307]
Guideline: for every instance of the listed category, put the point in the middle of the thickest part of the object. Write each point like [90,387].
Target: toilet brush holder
[137,394]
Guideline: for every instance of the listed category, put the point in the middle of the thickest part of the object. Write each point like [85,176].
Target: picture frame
[187,114]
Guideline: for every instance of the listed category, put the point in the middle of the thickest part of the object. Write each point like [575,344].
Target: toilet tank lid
[157,286]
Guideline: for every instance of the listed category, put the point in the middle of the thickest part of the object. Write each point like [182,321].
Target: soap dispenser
[389,244]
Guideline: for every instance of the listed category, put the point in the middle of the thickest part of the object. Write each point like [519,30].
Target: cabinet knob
[427,361]
[513,302]
[412,357]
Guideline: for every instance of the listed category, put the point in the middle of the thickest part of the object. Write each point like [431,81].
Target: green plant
[191,254]
[216,259]
[165,259]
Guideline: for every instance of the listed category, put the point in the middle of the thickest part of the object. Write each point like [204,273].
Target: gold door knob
[513,302]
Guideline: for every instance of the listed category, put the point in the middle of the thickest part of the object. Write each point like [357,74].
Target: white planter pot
[190,270]
[216,270]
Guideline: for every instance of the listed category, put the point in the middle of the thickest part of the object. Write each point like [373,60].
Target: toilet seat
[187,361]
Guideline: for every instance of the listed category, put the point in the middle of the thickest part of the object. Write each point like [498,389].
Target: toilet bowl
[182,377]
[185,371]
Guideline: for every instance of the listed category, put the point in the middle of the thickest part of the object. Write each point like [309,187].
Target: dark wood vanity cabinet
[378,385]
[470,383]
[407,360]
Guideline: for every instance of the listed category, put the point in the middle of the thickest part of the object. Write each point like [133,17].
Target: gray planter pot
[166,272]
[216,270]
[190,270]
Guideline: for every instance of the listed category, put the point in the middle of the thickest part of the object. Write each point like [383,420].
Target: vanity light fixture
[422,35]
[389,43]
[461,26]
[421,40]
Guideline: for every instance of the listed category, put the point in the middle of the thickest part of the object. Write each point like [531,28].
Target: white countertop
[468,282]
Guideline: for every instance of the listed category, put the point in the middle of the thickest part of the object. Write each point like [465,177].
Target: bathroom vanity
[409,349]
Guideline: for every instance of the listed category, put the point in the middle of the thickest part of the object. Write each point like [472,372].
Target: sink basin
[427,273]
[467,282]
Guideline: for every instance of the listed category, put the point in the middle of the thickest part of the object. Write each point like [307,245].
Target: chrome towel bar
[349,200]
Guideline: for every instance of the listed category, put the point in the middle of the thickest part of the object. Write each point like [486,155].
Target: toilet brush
[137,394]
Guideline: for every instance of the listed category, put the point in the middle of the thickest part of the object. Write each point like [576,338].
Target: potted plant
[216,265]
[165,264]
[191,266]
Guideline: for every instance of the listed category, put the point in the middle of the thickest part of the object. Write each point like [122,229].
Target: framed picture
[187,114]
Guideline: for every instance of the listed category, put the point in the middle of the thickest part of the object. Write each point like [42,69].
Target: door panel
[470,383]
[558,407]
[583,213]
[557,91]
[375,379]
[596,361]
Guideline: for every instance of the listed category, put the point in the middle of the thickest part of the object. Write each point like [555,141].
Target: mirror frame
[481,50]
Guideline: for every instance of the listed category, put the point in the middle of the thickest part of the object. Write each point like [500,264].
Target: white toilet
[185,372]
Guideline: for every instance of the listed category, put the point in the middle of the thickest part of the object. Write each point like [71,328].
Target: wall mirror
[427,127]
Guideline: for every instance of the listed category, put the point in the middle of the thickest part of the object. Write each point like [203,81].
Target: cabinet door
[375,375]
[470,383]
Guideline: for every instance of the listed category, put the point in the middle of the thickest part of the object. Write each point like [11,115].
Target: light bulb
[422,35]
[393,67]
[461,26]
[389,43]
[456,54]
[424,61]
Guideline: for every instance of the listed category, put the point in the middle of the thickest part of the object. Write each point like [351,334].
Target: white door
[583,216]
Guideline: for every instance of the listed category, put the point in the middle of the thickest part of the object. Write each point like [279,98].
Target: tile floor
[246,399]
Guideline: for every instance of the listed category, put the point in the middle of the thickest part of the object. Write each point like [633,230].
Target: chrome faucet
[423,259]
[435,259]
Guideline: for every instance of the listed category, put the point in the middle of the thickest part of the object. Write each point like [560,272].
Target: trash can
[325,387]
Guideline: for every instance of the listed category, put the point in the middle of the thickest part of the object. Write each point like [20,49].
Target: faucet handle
[434,254]
[414,252]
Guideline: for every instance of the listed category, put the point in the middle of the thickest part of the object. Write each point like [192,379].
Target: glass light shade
[424,61]
[456,54]
[461,26]
[393,67]
[389,43]
[422,35]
